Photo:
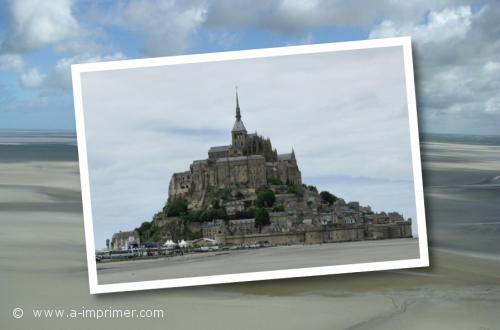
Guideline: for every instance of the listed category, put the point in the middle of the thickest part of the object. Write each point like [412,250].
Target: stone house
[124,240]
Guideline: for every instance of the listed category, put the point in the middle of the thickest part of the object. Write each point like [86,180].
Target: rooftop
[285,156]
[238,158]
[238,126]
[241,221]
[219,148]
[125,234]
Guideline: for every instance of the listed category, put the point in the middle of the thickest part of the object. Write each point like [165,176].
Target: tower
[239,132]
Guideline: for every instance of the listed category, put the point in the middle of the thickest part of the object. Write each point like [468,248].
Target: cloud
[32,78]
[60,76]
[493,105]
[440,26]
[456,42]
[457,76]
[35,24]
[164,27]
[292,17]
[11,62]
[224,40]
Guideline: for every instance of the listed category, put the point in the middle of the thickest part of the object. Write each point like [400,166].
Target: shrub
[296,190]
[261,218]
[212,214]
[265,197]
[159,215]
[328,197]
[223,194]
[216,204]
[177,206]
[279,208]
[147,230]
[312,188]
[193,216]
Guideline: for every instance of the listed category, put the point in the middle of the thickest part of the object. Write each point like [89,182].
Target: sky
[455,43]
[344,113]
[456,46]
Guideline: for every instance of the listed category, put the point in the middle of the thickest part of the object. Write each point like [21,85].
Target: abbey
[248,162]
[246,193]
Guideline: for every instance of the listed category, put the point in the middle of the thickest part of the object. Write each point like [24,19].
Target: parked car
[122,254]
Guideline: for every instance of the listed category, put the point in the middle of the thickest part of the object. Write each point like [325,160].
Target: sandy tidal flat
[43,265]
[265,259]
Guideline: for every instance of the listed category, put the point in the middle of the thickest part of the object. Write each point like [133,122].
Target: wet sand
[265,259]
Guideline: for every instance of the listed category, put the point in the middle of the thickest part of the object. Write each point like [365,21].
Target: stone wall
[243,170]
[274,238]
[335,235]
[180,184]
[305,237]
[401,229]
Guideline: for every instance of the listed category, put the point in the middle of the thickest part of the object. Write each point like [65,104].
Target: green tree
[261,218]
[312,188]
[279,208]
[265,197]
[328,197]
[177,206]
[213,214]
[144,230]
[216,204]
[193,216]
[296,190]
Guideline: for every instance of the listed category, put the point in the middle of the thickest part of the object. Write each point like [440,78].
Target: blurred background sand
[43,262]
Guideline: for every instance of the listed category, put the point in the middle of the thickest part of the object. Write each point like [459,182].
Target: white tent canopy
[169,244]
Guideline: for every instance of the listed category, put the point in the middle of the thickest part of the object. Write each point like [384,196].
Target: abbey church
[246,193]
[248,162]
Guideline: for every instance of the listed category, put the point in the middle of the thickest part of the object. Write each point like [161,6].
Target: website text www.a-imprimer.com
[90,313]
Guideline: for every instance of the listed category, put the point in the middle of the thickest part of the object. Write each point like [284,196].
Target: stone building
[224,186]
[215,230]
[242,226]
[124,240]
[250,161]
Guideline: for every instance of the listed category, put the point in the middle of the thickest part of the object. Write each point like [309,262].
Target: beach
[43,264]
[255,260]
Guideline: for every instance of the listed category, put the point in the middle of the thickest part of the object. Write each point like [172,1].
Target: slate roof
[285,156]
[238,126]
[219,148]
[232,159]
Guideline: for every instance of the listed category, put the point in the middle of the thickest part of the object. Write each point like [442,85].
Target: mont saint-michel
[247,193]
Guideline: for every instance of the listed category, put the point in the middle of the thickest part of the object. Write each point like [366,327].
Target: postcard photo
[250,165]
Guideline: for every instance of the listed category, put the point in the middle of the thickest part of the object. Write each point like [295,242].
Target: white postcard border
[422,261]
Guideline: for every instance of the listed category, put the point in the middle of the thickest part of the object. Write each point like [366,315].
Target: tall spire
[238,114]
[238,124]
